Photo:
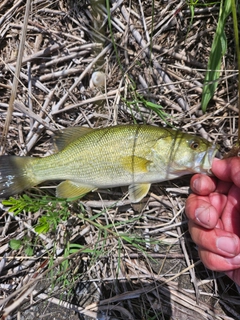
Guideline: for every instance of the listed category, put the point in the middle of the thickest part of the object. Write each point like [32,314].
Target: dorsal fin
[62,138]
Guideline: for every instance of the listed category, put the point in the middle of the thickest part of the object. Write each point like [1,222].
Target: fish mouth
[204,159]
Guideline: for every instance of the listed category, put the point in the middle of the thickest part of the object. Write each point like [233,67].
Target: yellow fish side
[87,159]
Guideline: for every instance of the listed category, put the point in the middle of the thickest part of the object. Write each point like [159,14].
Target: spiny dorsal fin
[62,138]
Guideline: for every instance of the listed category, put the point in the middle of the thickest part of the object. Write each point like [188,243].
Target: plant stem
[236,37]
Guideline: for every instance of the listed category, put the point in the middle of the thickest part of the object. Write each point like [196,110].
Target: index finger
[227,170]
[203,185]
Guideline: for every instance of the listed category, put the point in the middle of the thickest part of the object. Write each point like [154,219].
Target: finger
[231,212]
[227,170]
[216,240]
[234,275]
[223,186]
[205,211]
[219,263]
[202,184]
[218,201]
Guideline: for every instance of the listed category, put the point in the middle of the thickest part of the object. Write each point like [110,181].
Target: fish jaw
[203,160]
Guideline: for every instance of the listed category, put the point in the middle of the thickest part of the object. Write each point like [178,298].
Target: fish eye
[194,144]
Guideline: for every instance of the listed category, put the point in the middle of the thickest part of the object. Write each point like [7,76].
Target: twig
[35,82]
[108,95]
[8,13]
[65,304]
[16,77]
[79,79]
[156,65]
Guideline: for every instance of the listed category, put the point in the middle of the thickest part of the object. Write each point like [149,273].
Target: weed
[139,100]
[16,244]
[218,50]
[193,4]
[55,210]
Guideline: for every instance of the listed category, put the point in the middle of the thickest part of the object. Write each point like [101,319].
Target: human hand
[214,217]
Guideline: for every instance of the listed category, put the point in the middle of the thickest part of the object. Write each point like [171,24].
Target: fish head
[193,154]
[183,153]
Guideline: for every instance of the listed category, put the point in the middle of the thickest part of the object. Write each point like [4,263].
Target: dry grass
[136,262]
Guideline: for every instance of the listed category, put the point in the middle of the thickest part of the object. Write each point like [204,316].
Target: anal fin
[138,191]
[71,189]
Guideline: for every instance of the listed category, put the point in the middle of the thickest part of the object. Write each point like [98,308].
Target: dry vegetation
[131,262]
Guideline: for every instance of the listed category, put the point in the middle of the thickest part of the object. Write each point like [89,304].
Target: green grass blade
[218,50]
[112,37]
[236,37]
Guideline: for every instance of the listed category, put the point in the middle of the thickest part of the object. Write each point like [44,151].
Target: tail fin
[15,175]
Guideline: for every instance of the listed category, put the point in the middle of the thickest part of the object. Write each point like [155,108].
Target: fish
[86,159]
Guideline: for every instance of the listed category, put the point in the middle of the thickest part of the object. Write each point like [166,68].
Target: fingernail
[197,184]
[227,244]
[202,214]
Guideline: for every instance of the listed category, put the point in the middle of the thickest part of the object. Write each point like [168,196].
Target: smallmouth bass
[124,155]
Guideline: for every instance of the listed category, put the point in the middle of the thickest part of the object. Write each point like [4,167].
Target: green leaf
[42,226]
[218,50]
[29,251]
[15,244]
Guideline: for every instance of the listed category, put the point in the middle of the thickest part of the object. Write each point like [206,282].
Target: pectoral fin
[135,164]
[138,191]
[70,189]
